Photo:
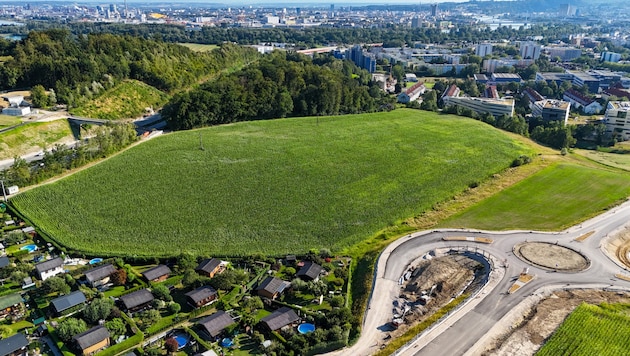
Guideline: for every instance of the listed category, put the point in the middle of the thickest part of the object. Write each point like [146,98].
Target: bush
[521,160]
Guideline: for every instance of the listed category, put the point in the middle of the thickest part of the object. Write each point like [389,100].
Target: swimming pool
[95,260]
[29,248]
[306,328]
[227,342]
[182,340]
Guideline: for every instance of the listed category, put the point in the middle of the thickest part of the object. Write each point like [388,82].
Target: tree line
[279,85]
[76,65]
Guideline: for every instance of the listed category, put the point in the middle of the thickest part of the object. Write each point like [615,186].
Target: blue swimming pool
[182,340]
[95,260]
[29,248]
[306,328]
[227,342]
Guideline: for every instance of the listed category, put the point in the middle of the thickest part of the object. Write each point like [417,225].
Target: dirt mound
[618,247]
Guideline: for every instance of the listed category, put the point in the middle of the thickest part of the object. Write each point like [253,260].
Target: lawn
[592,330]
[199,47]
[128,99]
[33,137]
[554,198]
[6,121]
[270,187]
[618,160]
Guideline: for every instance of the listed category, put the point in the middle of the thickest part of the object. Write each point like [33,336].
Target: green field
[6,121]
[32,137]
[592,330]
[618,160]
[128,99]
[272,187]
[555,197]
[199,47]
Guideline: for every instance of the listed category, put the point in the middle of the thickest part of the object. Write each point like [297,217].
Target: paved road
[493,304]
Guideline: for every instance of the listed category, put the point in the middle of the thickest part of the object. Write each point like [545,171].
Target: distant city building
[555,110]
[581,79]
[610,57]
[480,78]
[483,49]
[564,53]
[491,65]
[617,119]
[502,78]
[361,58]
[557,77]
[496,107]
[434,10]
[578,100]
[412,93]
[530,50]
[567,10]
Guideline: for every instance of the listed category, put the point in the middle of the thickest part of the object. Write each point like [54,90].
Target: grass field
[199,47]
[128,99]
[610,159]
[592,330]
[554,198]
[6,121]
[271,187]
[33,137]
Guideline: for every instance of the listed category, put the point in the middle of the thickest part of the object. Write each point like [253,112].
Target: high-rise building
[434,10]
[298,11]
[416,22]
[530,50]
[483,49]
[610,57]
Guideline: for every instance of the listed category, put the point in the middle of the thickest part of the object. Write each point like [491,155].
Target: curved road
[493,303]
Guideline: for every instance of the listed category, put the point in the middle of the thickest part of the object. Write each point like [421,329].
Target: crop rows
[269,187]
[592,330]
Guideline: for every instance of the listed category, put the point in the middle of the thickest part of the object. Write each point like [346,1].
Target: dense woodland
[391,36]
[280,85]
[81,66]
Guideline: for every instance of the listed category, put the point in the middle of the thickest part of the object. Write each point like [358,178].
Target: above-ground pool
[227,342]
[182,340]
[95,260]
[306,328]
[29,248]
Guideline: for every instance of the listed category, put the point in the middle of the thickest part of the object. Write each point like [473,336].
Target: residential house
[451,92]
[49,268]
[290,260]
[412,93]
[210,267]
[68,301]
[214,324]
[91,341]
[11,305]
[310,271]
[158,273]
[16,345]
[137,300]
[579,100]
[280,318]
[99,276]
[4,261]
[201,296]
[272,287]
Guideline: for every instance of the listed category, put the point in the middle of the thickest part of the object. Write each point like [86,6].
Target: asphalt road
[495,303]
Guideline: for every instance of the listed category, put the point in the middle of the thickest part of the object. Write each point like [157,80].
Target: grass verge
[33,137]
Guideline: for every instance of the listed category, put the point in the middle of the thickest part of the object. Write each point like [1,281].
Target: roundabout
[551,256]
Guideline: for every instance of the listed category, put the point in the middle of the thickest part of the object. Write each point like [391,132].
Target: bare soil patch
[528,336]
[551,256]
[618,247]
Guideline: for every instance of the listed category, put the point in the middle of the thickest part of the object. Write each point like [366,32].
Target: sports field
[272,187]
[592,330]
[552,199]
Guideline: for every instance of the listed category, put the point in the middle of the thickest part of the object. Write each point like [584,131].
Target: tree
[148,318]
[56,285]
[186,261]
[161,292]
[174,308]
[17,276]
[171,345]
[39,98]
[99,309]
[119,277]
[70,327]
[116,327]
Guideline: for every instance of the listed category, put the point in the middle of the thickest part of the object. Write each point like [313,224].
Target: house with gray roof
[210,267]
[68,301]
[310,271]
[214,324]
[158,273]
[99,276]
[11,304]
[16,345]
[272,287]
[49,268]
[91,341]
[136,300]
[4,261]
[280,318]
[201,296]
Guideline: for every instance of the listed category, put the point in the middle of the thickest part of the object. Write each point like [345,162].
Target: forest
[279,85]
[78,66]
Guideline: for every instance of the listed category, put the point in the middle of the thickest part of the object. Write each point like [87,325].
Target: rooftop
[556,104]
[100,272]
[216,322]
[13,343]
[156,272]
[68,301]
[136,298]
[91,337]
[280,318]
[48,265]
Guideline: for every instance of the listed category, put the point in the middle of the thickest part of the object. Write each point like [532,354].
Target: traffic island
[551,257]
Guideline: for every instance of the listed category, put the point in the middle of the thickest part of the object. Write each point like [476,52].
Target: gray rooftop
[280,318]
[272,285]
[91,337]
[208,265]
[310,270]
[136,298]
[156,272]
[48,265]
[68,301]
[201,293]
[100,272]
[216,322]
[12,344]
[4,261]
